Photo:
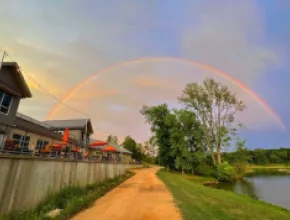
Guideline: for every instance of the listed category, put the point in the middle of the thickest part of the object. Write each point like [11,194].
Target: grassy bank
[200,202]
[268,168]
[71,199]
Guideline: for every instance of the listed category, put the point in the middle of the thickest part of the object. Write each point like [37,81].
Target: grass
[200,202]
[71,199]
[270,166]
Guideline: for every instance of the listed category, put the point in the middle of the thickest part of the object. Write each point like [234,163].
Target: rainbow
[171,59]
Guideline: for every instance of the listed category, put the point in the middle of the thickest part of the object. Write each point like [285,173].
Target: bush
[204,170]
[239,170]
[225,172]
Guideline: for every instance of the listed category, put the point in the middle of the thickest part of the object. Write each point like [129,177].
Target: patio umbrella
[65,137]
[110,149]
[98,143]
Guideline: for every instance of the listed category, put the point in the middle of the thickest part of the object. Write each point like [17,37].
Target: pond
[272,188]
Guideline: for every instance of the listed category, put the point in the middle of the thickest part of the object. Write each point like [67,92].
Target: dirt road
[142,197]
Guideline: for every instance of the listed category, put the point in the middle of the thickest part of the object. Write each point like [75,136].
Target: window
[41,144]
[21,141]
[5,102]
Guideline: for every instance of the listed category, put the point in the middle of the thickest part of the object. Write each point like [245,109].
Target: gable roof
[15,70]
[32,125]
[70,124]
[119,148]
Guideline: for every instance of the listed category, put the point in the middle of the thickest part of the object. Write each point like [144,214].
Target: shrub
[204,170]
[225,172]
[239,170]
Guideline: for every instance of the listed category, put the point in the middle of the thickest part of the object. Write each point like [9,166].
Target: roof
[123,149]
[32,125]
[19,78]
[70,124]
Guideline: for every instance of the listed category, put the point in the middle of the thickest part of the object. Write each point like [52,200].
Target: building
[13,88]
[21,132]
[104,151]
[79,129]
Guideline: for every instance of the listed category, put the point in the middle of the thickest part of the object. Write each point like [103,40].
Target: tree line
[261,156]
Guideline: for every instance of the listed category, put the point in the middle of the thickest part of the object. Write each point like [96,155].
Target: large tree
[215,106]
[156,117]
[186,137]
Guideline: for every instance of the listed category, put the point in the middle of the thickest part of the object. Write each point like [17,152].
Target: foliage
[192,139]
[156,117]
[131,145]
[204,203]
[225,172]
[215,106]
[71,199]
[113,139]
[185,137]
[261,156]
[204,170]
[150,147]
[148,159]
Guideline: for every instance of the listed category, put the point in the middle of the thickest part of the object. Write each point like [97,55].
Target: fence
[25,182]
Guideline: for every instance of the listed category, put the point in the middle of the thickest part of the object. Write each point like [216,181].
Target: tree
[241,158]
[156,117]
[241,154]
[215,106]
[112,139]
[185,138]
[131,145]
[150,147]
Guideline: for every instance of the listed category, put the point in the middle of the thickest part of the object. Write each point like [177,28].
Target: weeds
[71,199]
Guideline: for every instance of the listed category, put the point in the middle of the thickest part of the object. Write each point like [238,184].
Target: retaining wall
[24,182]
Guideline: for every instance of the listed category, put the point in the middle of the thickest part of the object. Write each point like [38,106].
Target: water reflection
[244,187]
[274,188]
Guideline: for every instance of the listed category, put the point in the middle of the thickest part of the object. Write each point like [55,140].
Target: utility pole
[2,59]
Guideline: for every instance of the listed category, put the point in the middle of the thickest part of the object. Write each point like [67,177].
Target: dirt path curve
[142,197]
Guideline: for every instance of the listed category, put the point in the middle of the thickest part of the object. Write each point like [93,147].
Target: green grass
[269,166]
[71,199]
[199,202]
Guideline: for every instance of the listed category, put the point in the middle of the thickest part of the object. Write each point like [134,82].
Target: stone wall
[24,182]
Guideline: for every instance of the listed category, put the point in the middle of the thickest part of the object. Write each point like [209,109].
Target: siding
[9,119]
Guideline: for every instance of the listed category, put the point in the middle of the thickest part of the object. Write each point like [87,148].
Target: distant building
[97,149]
[79,129]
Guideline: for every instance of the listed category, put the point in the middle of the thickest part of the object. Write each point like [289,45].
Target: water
[272,188]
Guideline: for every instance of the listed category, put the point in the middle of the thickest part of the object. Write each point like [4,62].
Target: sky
[62,43]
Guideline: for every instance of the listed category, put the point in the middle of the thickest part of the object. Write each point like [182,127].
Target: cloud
[229,36]
[60,50]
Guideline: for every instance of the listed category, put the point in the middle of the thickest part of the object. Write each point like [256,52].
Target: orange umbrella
[110,149]
[65,137]
[98,143]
